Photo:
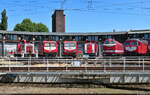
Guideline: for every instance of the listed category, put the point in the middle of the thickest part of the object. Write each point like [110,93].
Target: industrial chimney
[58,21]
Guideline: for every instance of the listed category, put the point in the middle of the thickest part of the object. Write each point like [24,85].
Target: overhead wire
[115,11]
[113,8]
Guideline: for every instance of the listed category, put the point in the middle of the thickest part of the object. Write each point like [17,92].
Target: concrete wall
[58,78]
[143,78]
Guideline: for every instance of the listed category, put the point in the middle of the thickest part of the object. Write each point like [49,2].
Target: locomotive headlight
[134,48]
[148,47]
[127,48]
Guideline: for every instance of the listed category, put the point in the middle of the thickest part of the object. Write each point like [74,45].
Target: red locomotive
[135,47]
[48,48]
[69,48]
[25,48]
[112,47]
[90,48]
[149,45]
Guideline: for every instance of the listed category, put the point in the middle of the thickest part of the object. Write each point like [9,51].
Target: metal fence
[107,64]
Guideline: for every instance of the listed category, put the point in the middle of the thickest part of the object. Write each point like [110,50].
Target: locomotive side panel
[144,48]
[49,48]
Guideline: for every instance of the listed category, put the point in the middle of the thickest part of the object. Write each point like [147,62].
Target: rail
[94,61]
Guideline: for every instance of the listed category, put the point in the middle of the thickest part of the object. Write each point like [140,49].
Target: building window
[14,37]
[56,38]
[67,38]
[96,38]
[89,38]
[27,37]
[10,37]
[109,36]
[92,38]
[146,36]
[0,36]
[37,38]
[76,38]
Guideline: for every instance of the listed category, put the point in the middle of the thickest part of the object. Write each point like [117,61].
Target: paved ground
[26,89]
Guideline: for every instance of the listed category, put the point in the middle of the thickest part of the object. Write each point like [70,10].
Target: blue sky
[82,15]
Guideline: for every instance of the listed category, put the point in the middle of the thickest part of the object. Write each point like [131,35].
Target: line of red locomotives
[90,48]
[130,47]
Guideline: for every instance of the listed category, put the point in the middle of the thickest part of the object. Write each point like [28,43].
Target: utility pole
[62,4]
[90,3]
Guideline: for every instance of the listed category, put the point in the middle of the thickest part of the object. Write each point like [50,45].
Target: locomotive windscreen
[149,42]
[69,44]
[52,45]
[127,43]
[46,44]
[109,42]
[134,43]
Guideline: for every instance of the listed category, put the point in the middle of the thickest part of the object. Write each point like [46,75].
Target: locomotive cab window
[46,44]
[109,42]
[52,44]
[106,42]
[149,42]
[138,44]
[134,43]
[69,44]
[127,43]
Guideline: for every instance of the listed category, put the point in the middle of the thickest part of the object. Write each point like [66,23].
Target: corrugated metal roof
[59,33]
[76,34]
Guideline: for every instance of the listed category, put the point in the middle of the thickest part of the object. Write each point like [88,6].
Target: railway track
[69,62]
[82,61]
[70,58]
[101,59]
[16,69]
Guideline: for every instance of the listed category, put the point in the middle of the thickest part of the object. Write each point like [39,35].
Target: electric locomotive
[48,48]
[135,47]
[70,48]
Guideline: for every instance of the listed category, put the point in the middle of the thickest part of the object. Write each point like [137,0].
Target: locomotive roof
[48,41]
[60,34]
[140,40]
[111,39]
[69,41]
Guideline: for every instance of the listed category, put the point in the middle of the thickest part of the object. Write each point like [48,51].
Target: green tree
[41,27]
[28,25]
[3,25]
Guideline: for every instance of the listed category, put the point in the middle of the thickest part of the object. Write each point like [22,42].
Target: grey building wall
[8,47]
